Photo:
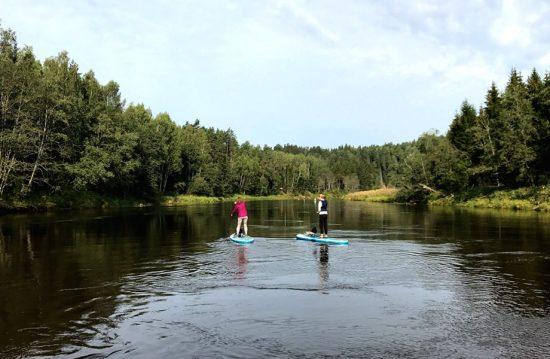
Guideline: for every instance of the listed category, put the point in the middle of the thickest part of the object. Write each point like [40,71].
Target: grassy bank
[530,198]
[386,195]
[186,199]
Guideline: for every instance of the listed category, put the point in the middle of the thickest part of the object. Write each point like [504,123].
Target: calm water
[146,283]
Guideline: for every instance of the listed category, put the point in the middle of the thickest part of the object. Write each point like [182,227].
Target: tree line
[62,130]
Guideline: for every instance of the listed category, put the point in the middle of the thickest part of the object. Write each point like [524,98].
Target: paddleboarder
[242,216]
[322,210]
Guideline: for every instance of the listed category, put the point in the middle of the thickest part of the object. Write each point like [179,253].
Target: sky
[310,73]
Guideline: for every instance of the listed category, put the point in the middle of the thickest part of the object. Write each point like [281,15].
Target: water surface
[165,282]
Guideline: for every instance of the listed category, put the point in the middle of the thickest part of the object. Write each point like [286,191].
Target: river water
[152,283]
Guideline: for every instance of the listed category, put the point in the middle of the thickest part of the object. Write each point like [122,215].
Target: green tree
[515,153]
[487,135]
[437,164]
[538,91]
[461,131]
[111,162]
[161,140]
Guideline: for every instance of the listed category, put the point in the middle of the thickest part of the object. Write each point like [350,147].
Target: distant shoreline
[525,199]
[87,200]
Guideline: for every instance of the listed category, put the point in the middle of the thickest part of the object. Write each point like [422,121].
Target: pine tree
[460,131]
[485,169]
[515,153]
[541,104]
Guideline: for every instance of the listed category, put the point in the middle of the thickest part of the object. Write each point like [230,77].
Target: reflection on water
[242,261]
[322,252]
[166,282]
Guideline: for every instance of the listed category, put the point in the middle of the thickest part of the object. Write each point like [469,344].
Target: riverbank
[532,199]
[383,195]
[84,200]
[529,198]
[186,199]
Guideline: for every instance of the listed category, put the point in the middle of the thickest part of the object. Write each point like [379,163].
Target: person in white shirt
[322,210]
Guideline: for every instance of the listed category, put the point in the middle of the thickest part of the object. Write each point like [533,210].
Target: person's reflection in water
[323,264]
[29,246]
[242,261]
[3,252]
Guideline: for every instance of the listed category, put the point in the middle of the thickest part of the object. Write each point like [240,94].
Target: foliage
[63,132]
[415,194]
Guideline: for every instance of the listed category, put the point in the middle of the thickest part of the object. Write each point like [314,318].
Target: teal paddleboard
[325,240]
[241,240]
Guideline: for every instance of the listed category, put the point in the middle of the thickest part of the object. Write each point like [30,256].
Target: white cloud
[306,20]
[296,67]
[515,23]
[544,61]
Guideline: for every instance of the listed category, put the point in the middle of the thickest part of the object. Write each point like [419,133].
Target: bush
[201,187]
[415,194]
[180,187]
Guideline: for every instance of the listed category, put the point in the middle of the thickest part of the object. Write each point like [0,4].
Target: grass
[273,197]
[375,195]
[187,199]
[529,198]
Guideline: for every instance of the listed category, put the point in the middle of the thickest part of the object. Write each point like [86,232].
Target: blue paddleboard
[326,240]
[241,240]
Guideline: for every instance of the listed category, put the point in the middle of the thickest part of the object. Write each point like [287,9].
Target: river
[165,282]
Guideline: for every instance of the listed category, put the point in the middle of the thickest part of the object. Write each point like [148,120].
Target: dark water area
[151,283]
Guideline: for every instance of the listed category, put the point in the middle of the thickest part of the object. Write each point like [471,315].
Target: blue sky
[304,72]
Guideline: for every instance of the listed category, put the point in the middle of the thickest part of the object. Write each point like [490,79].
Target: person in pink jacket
[242,216]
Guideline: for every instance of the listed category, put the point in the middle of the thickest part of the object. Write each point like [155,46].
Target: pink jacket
[240,208]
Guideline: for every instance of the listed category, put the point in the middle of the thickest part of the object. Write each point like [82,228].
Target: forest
[61,130]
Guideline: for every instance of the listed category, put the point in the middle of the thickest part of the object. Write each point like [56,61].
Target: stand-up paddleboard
[325,240]
[241,240]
